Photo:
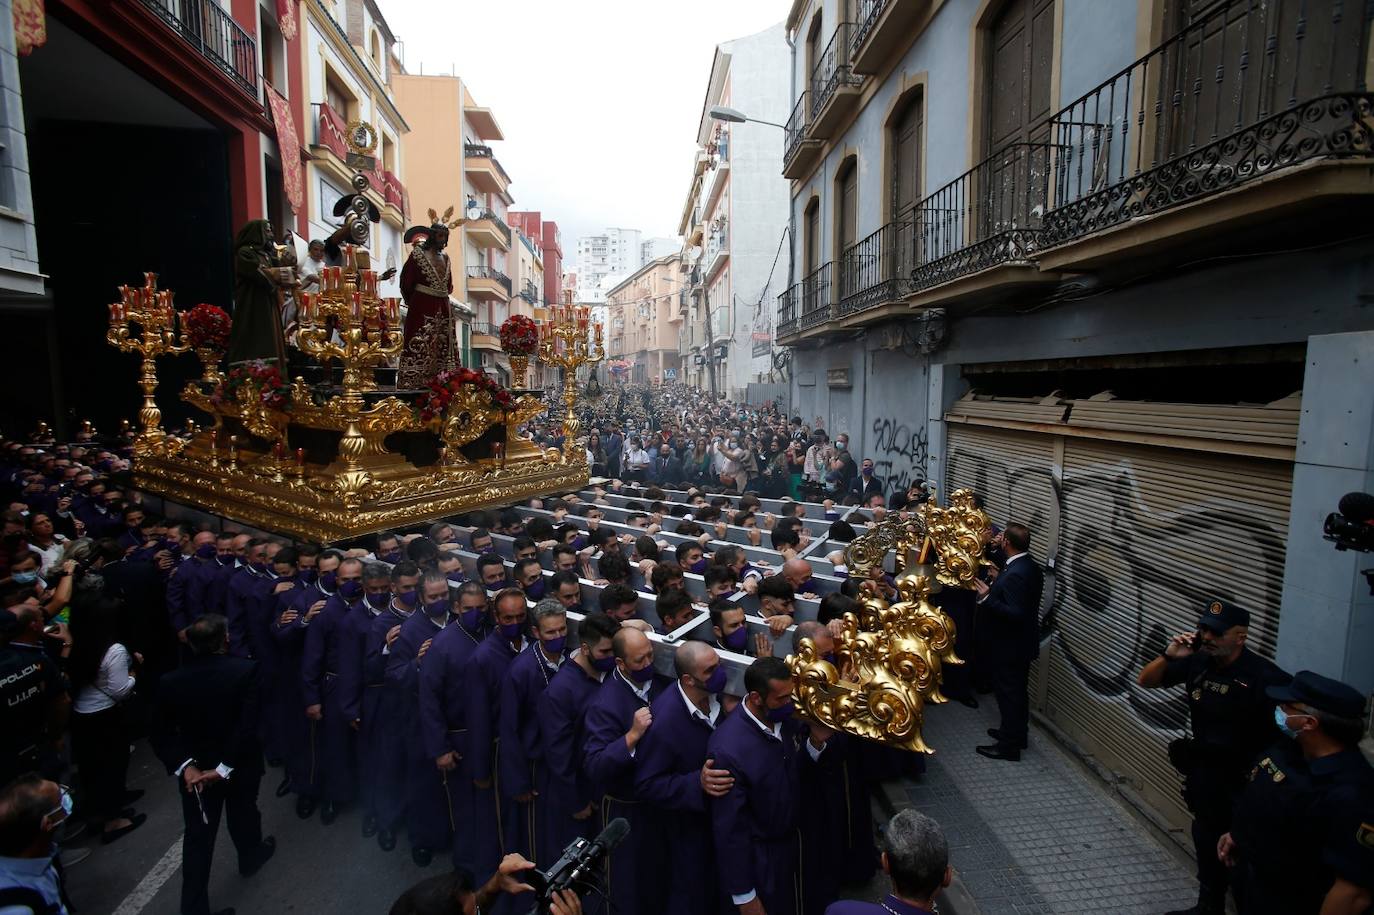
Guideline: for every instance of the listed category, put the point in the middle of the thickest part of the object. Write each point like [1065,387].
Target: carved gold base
[324,505]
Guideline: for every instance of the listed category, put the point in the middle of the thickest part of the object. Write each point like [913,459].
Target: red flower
[519,336]
[207,326]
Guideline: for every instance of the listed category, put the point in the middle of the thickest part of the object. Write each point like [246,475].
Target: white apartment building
[613,253]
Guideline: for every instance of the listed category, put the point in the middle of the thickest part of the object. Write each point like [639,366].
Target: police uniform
[1232,721]
[29,684]
[1302,823]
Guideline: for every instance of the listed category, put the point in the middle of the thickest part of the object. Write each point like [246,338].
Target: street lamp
[733,116]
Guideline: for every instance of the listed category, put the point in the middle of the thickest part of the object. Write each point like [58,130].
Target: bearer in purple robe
[564,787]
[296,609]
[617,719]
[377,584]
[755,824]
[239,594]
[916,859]
[522,749]
[217,591]
[485,677]
[428,819]
[443,727]
[320,661]
[674,777]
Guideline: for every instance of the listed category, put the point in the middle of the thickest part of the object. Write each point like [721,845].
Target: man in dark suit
[666,468]
[1009,611]
[205,732]
[866,485]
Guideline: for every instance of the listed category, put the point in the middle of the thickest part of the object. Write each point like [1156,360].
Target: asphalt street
[316,868]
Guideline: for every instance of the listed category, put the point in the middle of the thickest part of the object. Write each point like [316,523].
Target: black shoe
[386,839]
[997,736]
[369,826]
[1000,751]
[421,856]
[132,795]
[284,788]
[266,849]
[305,807]
[113,835]
[328,813]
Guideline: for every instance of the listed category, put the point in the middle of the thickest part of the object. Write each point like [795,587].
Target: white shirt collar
[712,703]
[773,730]
[1011,559]
[641,692]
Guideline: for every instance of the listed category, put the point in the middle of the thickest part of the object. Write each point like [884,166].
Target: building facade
[453,164]
[734,220]
[613,254]
[644,322]
[653,248]
[550,243]
[1081,257]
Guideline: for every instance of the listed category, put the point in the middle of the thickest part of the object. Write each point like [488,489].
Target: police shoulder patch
[1365,835]
[1215,609]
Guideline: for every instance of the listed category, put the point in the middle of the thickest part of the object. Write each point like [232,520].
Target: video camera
[1352,527]
[577,868]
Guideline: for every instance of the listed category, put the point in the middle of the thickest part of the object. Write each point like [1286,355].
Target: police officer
[33,696]
[1232,721]
[1303,836]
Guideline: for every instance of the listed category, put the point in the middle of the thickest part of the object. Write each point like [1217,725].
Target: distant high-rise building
[651,249]
[615,252]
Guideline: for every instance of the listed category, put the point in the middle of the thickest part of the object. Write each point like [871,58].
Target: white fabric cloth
[111,685]
[49,557]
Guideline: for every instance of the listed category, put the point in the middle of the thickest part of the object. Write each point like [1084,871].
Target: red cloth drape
[30,26]
[290,146]
[286,18]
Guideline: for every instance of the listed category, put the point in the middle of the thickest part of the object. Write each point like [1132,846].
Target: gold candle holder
[143,321]
[564,342]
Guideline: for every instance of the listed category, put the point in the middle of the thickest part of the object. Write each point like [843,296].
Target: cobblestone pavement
[1041,835]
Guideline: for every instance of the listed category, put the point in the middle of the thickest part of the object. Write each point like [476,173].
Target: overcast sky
[598,99]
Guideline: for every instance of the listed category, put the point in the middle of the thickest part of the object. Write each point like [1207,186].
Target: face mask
[512,631]
[868,471]
[605,664]
[378,601]
[306,576]
[350,590]
[554,646]
[736,640]
[840,446]
[329,580]
[259,567]
[393,557]
[496,588]
[1281,719]
[205,550]
[471,619]
[536,590]
[25,578]
[699,566]
[436,608]
[782,712]
[716,682]
[408,598]
[643,675]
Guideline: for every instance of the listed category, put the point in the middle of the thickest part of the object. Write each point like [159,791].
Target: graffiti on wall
[899,453]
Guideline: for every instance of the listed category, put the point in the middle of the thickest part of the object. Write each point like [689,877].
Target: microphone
[574,869]
[1357,507]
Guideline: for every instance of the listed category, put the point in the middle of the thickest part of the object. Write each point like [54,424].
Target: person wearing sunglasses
[31,810]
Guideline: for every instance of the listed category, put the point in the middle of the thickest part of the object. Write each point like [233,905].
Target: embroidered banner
[30,26]
[290,148]
[286,18]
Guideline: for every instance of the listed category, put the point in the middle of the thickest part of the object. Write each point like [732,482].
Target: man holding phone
[1232,720]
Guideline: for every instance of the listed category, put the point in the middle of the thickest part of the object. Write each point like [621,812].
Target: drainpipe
[791,210]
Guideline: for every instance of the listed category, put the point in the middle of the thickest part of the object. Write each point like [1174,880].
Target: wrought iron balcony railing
[490,273]
[529,292]
[988,216]
[787,311]
[832,69]
[794,131]
[1246,90]
[216,35]
[482,151]
[867,16]
[485,329]
[816,305]
[877,269]
[490,214]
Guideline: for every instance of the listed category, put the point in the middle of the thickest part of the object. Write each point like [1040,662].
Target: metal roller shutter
[1147,535]
[1012,471]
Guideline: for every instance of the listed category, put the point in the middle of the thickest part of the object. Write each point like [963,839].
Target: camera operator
[1232,721]
[452,894]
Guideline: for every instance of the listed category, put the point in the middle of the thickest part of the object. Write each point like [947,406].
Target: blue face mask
[536,590]
[471,619]
[512,631]
[699,566]
[782,712]
[351,590]
[24,578]
[436,608]
[329,579]
[408,598]
[393,557]
[205,551]
[643,675]
[306,576]
[1281,720]
[378,601]
[604,664]
[736,640]
[716,682]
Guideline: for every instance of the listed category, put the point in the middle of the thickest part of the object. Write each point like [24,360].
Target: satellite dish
[474,213]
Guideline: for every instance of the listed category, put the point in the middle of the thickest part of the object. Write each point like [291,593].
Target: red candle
[300,458]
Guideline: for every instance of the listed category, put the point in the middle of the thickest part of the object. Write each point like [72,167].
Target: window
[846,222]
[375,51]
[811,238]
[905,149]
[337,96]
[1020,59]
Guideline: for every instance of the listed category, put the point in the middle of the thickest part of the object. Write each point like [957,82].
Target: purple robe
[302,770]
[611,766]
[565,788]
[217,590]
[377,733]
[332,735]
[178,585]
[428,818]
[522,751]
[668,779]
[197,599]
[485,677]
[236,610]
[443,729]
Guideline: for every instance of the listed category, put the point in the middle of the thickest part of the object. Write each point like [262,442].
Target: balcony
[486,336]
[877,270]
[800,148]
[485,173]
[835,87]
[330,150]
[885,28]
[489,231]
[717,252]
[1255,120]
[787,312]
[488,283]
[215,34]
[394,193]
[529,292]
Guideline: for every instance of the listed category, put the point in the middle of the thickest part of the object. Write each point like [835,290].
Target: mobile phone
[52,629]
[1197,640]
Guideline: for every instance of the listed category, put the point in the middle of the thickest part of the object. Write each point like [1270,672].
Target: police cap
[1220,615]
[1321,693]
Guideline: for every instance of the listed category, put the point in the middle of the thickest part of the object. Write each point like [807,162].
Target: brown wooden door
[847,226]
[905,193]
[811,240]
[1020,60]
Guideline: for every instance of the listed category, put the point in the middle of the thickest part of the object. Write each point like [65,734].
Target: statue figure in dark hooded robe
[259,277]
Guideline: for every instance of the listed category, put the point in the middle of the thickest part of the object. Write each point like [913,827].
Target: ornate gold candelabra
[346,320]
[144,322]
[569,323]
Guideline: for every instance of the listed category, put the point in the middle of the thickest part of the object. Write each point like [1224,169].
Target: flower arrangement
[274,393]
[434,400]
[207,327]
[519,336]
